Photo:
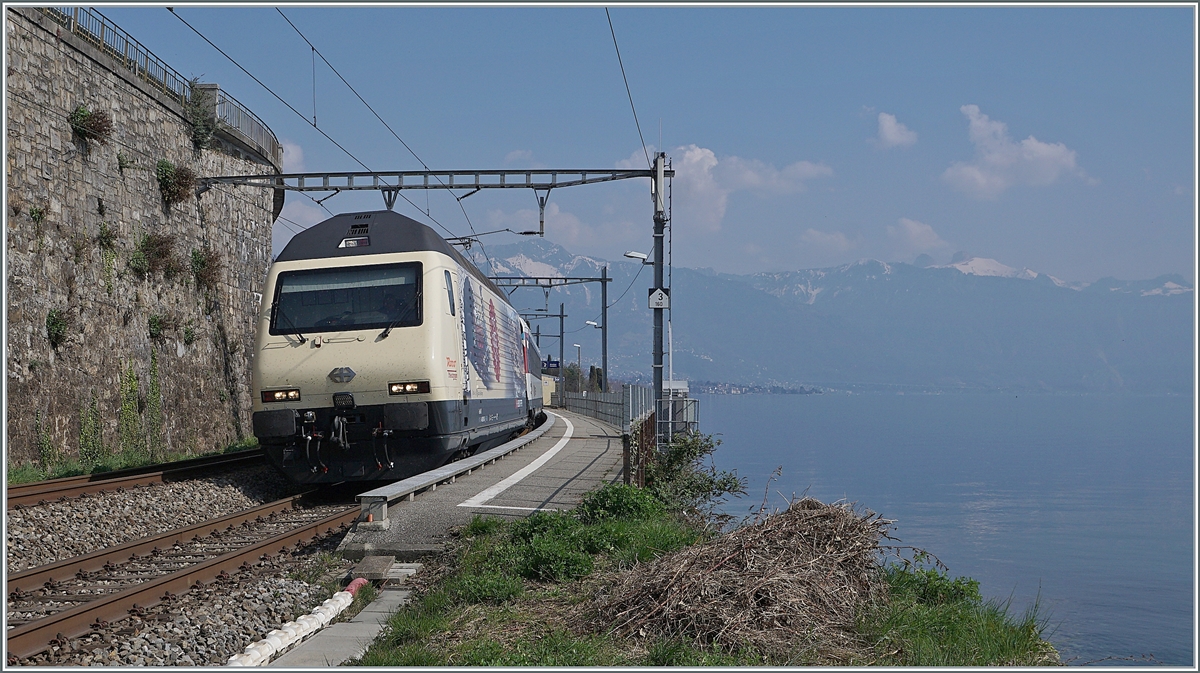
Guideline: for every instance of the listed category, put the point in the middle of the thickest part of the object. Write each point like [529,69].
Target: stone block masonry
[61,193]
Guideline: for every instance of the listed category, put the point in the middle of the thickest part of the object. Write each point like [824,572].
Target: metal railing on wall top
[95,29]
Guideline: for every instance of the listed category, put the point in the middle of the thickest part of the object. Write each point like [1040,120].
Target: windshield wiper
[278,314]
[411,305]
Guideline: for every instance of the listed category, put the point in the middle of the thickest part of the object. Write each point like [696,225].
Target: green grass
[935,620]
[502,602]
[556,648]
[26,472]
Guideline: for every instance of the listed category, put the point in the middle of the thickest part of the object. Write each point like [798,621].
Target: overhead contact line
[390,130]
[296,112]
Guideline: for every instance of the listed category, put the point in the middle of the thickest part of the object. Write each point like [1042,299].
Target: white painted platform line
[521,509]
[503,485]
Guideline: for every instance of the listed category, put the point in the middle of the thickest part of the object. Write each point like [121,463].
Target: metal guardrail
[92,27]
[95,29]
[624,410]
[237,118]
[676,416]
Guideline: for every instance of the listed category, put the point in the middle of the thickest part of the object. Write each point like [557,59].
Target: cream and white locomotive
[382,352]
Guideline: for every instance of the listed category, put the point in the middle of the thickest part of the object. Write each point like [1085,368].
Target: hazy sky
[1061,139]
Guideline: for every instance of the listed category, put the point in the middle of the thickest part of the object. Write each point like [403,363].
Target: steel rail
[31,579]
[38,636]
[68,487]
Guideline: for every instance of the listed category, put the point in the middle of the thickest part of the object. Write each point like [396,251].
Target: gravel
[42,534]
[206,627]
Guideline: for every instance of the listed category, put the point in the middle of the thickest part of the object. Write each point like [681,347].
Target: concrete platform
[553,472]
[575,456]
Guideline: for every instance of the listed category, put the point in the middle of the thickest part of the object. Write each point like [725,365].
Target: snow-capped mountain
[973,324]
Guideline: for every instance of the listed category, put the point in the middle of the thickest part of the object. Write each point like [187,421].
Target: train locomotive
[382,352]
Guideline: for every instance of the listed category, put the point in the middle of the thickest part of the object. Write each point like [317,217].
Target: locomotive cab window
[450,291]
[347,298]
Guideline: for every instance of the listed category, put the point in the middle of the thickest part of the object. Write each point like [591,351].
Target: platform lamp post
[603,354]
[579,367]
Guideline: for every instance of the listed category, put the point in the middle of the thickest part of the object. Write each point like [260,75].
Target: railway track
[49,605]
[34,493]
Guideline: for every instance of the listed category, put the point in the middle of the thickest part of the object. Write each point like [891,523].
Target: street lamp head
[593,323]
[640,256]
[577,345]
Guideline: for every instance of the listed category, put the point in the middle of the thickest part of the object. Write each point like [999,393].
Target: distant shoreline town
[717,388]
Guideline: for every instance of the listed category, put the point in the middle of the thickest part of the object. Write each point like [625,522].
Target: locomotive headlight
[408,388]
[288,395]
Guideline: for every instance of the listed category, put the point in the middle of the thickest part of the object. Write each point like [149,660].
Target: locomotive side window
[450,290]
[339,299]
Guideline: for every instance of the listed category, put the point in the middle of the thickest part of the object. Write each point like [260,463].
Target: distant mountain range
[973,324]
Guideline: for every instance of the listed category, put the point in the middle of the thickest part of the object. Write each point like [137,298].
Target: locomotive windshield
[346,298]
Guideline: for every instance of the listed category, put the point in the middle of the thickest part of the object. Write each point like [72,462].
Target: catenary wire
[297,112]
[627,91]
[385,125]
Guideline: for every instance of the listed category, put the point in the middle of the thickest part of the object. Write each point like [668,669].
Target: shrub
[37,214]
[617,501]
[90,125]
[206,267]
[175,182]
[57,322]
[199,114]
[682,481]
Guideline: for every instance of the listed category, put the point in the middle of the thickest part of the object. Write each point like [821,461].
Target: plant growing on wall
[37,214]
[154,415]
[200,115]
[189,333]
[175,182]
[57,322]
[129,422]
[206,267]
[90,125]
[91,440]
[47,450]
[123,161]
[155,252]
[158,325]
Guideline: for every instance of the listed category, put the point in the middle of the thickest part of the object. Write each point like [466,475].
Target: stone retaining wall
[59,192]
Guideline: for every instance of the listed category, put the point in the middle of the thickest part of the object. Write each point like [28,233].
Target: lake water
[1085,500]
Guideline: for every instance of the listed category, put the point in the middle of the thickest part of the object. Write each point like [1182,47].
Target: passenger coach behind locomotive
[382,352]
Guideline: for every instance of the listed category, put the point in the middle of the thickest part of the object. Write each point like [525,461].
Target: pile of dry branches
[786,584]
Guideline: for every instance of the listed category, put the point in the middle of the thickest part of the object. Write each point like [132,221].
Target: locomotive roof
[387,231]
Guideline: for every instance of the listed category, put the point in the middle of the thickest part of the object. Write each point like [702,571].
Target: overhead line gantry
[389,183]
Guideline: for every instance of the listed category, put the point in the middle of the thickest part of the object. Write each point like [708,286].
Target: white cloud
[737,173]
[833,240]
[700,198]
[1001,163]
[913,236]
[299,216]
[894,134]
[518,156]
[293,157]
[703,182]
